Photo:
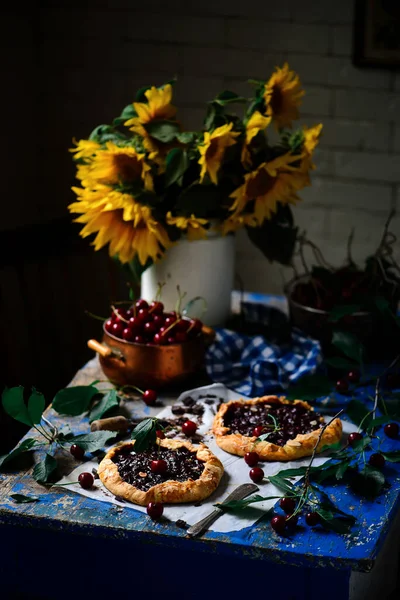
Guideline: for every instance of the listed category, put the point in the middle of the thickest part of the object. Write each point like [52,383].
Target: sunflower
[84,149]
[237,221]
[270,183]
[193,225]
[213,148]
[157,108]
[283,96]
[255,124]
[118,220]
[305,165]
[115,164]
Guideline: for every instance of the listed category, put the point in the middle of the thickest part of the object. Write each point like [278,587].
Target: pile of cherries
[145,323]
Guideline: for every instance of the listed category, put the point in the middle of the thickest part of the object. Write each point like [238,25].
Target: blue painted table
[67,545]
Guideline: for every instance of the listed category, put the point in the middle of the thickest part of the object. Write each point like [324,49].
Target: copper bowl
[148,366]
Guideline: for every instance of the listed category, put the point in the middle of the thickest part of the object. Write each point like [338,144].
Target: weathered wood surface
[61,510]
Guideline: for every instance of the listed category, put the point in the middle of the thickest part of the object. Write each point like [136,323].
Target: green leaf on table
[90,442]
[74,401]
[25,446]
[237,505]
[361,445]
[163,131]
[367,482]
[64,433]
[282,484]
[310,387]
[338,362]
[36,404]
[349,344]
[144,434]
[342,468]
[44,469]
[335,522]
[22,499]
[358,413]
[392,456]
[378,422]
[14,405]
[177,162]
[337,312]
[108,401]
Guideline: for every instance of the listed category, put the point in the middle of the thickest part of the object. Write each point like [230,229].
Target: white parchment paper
[236,472]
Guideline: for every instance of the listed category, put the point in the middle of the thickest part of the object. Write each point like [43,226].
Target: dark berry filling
[290,419]
[135,468]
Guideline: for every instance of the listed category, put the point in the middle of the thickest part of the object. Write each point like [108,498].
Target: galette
[170,471]
[275,428]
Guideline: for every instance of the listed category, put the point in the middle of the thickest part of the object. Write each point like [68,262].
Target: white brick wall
[218,44]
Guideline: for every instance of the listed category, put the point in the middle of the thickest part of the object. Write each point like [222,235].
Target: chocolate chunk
[95,473]
[188,401]
[181,524]
[177,409]
[197,409]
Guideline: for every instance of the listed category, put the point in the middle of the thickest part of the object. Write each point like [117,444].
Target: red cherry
[159,339]
[77,452]
[158,320]
[169,320]
[159,466]
[377,460]
[150,397]
[135,324]
[251,458]
[129,313]
[256,474]
[287,504]
[86,480]
[109,325]
[183,325]
[156,307]
[149,328]
[171,340]
[391,430]
[181,337]
[278,524]
[189,428]
[117,329]
[160,434]
[143,315]
[127,334]
[155,510]
[257,431]
[141,303]
[342,386]
[354,437]
[312,519]
[353,376]
[139,339]
[196,326]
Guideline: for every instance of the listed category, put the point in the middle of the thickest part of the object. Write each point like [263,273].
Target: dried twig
[321,433]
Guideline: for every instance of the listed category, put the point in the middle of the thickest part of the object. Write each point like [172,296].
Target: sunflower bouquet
[145,182]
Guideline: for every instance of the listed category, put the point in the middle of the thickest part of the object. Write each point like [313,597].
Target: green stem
[43,432]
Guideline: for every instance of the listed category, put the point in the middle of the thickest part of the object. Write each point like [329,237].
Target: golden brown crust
[301,445]
[170,491]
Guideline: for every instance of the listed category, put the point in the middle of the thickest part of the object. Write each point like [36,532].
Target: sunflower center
[276,100]
[260,185]
[212,149]
[128,167]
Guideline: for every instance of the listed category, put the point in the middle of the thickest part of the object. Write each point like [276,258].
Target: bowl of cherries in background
[361,302]
[145,346]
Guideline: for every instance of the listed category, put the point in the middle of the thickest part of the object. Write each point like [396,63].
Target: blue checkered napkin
[252,366]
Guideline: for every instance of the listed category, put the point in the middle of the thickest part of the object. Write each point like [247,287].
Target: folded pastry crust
[191,490]
[301,445]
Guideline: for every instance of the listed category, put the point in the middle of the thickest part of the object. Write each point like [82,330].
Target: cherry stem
[171,326]
[179,301]
[115,311]
[134,387]
[93,316]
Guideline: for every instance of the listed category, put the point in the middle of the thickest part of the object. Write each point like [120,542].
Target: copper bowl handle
[101,349]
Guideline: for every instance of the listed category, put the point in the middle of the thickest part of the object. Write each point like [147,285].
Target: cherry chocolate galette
[169,471]
[288,430]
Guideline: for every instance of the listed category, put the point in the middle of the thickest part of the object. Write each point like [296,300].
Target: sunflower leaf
[177,162]
[163,131]
[227,97]
[276,237]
